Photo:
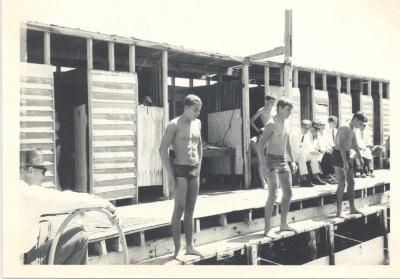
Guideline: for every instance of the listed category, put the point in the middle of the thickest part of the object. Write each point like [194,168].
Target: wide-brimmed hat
[31,158]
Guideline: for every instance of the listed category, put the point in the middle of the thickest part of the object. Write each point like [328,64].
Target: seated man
[303,150]
[37,201]
[386,159]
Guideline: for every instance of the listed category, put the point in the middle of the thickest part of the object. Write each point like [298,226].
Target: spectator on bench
[302,146]
[37,201]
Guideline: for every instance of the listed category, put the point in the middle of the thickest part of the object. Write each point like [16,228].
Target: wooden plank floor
[136,218]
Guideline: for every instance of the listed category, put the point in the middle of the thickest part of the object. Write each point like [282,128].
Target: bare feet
[355,211]
[286,227]
[192,251]
[340,215]
[176,253]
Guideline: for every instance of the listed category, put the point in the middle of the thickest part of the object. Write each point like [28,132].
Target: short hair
[332,118]
[360,116]
[284,102]
[269,97]
[305,122]
[191,100]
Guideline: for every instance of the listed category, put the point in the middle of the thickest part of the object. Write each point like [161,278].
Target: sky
[353,36]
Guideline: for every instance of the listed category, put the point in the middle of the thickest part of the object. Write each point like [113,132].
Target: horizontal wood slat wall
[113,116]
[346,109]
[295,117]
[385,119]
[150,131]
[368,110]
[37,114]
[321,105]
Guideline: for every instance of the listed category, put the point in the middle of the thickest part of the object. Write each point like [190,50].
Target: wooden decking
[218,216]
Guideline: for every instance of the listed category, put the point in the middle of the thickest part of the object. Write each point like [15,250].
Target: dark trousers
[327,164]
[71,249]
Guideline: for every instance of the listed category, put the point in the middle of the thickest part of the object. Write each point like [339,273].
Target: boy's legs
[285,179]
[180,193]
[191,197]
[350,190]
[272,195]
[340,176]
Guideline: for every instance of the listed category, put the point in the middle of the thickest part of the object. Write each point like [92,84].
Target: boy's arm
[166,141]
[200,147]
[342,133]
[356,147]
[265,136]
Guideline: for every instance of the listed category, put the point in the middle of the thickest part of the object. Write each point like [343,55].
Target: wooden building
[107,143]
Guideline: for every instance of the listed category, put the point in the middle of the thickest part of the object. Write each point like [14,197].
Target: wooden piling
[384,227]
[330,243]
[252,254]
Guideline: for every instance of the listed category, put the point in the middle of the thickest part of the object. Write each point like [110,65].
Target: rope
[348,238]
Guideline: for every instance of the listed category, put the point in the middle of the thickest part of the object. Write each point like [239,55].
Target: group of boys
[275,152]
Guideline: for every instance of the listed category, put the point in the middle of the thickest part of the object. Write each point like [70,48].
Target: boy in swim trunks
[344,141]
[184,134]
[275,138]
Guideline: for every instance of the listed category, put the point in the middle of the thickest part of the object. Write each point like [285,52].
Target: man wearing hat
[37,201]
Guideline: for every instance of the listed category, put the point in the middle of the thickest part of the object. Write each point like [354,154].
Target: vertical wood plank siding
[113,100]
[346,109]
[385,118]
[37,114]
[321,105]
[368,109]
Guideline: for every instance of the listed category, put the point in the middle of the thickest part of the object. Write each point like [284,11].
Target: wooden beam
[348,86]
[190,82]
[380,116]
[47,53]
[339,110]
[312,79]
[267,54]
[208,83]
[173,96]
[388,90]
[164,60]
[324,82]
[287,82]
[296,78]
[369,90]
[266,80]
[338,84]
[311,104]
[111,57]
[23,54]
[330,243]
[132,58]
[89,53]
[384,229]
[361,87]
[246,125]
[282,77]
[252,254]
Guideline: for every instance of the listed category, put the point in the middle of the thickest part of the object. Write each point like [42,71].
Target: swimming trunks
[277,163]
[187,171]
[337,160]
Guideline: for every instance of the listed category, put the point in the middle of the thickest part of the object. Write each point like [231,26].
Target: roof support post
[246,124]
[164,61]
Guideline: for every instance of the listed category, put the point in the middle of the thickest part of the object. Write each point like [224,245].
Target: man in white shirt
[364,140]
[303,150]
[36,201]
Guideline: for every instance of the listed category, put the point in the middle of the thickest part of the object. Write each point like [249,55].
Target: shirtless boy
[274,164]
[184,133]
[344,141]
[264,113]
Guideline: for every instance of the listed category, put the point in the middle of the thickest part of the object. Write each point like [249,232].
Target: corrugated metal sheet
[113,114]
[150,131]
[37,114]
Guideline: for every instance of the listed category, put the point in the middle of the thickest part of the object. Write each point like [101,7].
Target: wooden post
[111,58]
[288,54]
[384,228]
[100,247]
[23,54]
[246,124]
[47,53]
[251,254]
[324,82]
[197,227]
[380,114]
[312,244]
[388,90]
[208,83]
[330,243]
[89,53]
[296,78]
[312,95]
[339,111]
[190,82]
[348,86]
[369,92]
[282,76]
[266,80]
[132,58]
[164,58]
[173,96]
[223,220]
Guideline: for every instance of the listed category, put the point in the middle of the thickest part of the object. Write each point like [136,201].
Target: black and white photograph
[235,138]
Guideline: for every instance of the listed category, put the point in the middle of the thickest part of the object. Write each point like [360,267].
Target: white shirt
[329,136]
[36,201]
[301,144]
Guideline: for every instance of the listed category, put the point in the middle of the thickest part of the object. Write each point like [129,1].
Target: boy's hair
[191,100]
[360,116]
[332,118]
[269,97]
[284,102]
[305,122]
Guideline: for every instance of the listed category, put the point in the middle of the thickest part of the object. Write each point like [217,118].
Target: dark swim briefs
[277,163]
[187,171]
[337,160]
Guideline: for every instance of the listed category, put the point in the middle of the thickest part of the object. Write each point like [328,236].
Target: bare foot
[267,230]
[341,215]
[286,227]
[355,211]
[176,254]
[192,251]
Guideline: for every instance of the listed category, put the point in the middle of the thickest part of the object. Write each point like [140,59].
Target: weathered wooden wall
[150,131]
[295,118]
[37,114]
[385,118]
[218,126]
[321,105]
[368,109]
[113,133]
[227,96]
[346,110]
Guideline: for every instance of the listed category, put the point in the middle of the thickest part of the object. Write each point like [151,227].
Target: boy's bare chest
[188,132]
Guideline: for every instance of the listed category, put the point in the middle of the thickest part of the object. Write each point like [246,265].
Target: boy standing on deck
[184,133]
[275,138]
[344,141]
